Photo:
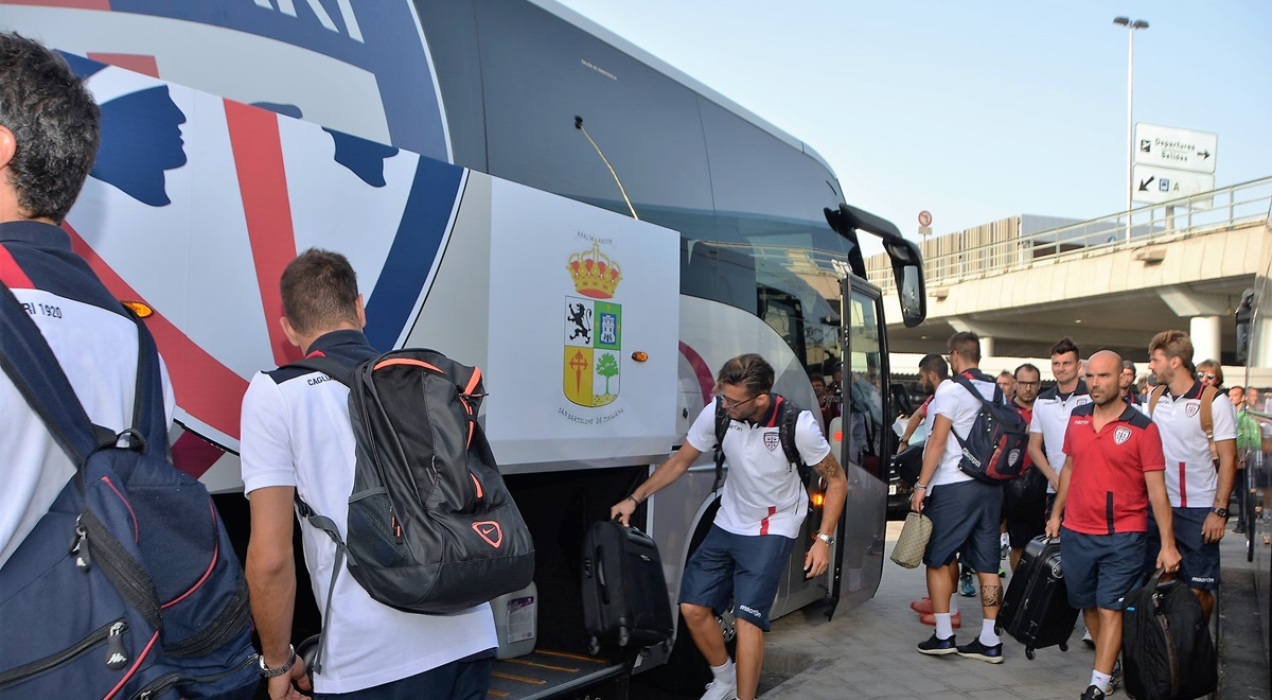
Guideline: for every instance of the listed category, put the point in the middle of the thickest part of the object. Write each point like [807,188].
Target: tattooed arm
[818,558]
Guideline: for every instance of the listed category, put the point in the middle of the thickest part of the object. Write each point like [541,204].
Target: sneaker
[938,647]
[976,650]
[1240,528]
[922,606]
[1086,639]
[956,620]
[966,586]
[721,690]
[1116,681]
[1092,693]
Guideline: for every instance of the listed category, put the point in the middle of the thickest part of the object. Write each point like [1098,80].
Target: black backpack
[787,414]
[995,448]
[1166,643]
[432,527]
[128,586]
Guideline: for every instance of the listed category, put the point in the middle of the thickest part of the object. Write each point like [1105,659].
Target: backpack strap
[787,417]
[1207,416]
[339,372]
[328,526]
[1154,396]
[722,421]
[31,365]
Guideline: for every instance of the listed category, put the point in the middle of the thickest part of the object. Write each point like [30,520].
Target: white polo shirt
[296,432]
[1051,418]
[763,494]
[958,404]
[95,344]
[1191,477]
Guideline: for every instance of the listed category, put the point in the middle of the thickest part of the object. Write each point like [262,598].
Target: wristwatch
[1221,512]
[828,539]
[267,672]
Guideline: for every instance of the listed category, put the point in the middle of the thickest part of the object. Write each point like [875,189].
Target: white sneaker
[721,690]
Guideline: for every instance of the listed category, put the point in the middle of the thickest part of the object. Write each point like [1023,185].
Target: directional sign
[925,218]
[1157,185]
[1170,147]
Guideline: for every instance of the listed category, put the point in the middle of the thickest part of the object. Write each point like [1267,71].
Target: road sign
[1170,147]
[925,218]
[1156,185]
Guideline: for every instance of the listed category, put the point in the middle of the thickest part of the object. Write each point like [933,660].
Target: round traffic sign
[925,218]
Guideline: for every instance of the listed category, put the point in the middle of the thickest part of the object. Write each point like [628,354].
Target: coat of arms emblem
[592,365]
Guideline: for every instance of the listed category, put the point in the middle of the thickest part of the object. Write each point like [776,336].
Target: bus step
[549,674]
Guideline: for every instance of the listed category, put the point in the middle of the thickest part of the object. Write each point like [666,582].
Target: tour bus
[516,187]
[1254,349]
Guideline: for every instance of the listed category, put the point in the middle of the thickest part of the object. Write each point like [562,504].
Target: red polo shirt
[1107,492]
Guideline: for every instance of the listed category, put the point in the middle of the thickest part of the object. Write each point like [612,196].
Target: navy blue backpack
[128,587]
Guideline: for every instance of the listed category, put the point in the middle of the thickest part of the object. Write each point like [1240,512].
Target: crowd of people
[1131,482]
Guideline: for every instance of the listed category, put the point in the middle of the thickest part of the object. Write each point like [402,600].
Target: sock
[725,673]
[944,629]
[953,604]
[988,636]
[1101,680]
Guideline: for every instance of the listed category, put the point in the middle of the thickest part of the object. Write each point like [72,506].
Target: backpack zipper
[168,681]
[111,630]
[1171,655]
[231,619]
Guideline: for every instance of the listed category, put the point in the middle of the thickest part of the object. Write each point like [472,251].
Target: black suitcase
[1036,610]
[1166,644]
[625,601]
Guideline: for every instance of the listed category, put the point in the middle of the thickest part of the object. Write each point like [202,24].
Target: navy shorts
[1025,521]
[746,567]
[967,520]
[1199,563]
[1099,570]
[465,679]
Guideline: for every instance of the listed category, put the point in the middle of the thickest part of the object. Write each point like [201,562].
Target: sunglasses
[730,403]
[1205,375]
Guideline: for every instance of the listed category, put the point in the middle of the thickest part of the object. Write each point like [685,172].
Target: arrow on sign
[1145,183]
[1204,154]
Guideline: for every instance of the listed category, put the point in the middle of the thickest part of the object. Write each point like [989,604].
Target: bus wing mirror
[907,267]
[1244,315]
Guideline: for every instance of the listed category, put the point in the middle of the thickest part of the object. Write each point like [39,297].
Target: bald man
[1111,448]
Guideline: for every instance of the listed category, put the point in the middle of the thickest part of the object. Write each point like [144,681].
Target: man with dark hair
[1249,444]
[1051,414]
[1025,499]
[1126,381]
[49,133]
[1198,490]
[297,439]
[761,511]
[966,514]
[1111,449]
[933,372]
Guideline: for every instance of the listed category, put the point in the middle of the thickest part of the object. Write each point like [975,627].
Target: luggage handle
[600,576]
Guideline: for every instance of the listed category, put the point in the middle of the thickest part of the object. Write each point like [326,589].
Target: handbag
[913,541]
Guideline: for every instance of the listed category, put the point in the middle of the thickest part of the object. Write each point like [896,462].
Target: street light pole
[1131,26]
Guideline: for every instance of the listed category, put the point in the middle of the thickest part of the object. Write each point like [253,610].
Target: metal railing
[945,262]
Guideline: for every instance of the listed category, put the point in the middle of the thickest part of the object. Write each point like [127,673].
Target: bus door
[866,443]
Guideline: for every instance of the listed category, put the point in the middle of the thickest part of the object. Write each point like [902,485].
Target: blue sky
[975,110]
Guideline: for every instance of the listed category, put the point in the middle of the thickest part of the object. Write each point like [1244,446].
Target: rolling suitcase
[625,601]
[1036,610]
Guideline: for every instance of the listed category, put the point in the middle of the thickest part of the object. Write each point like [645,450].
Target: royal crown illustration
[595,274]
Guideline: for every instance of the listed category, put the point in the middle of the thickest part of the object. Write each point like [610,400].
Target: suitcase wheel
[623,636]
[1064,646]
[1029,653]
[593,645]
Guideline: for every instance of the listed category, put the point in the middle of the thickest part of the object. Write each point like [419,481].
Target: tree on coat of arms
[607,367]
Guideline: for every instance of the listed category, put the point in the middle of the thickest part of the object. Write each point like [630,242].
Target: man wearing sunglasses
[761,511]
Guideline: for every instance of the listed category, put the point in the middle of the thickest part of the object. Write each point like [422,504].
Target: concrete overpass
[1111,282]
